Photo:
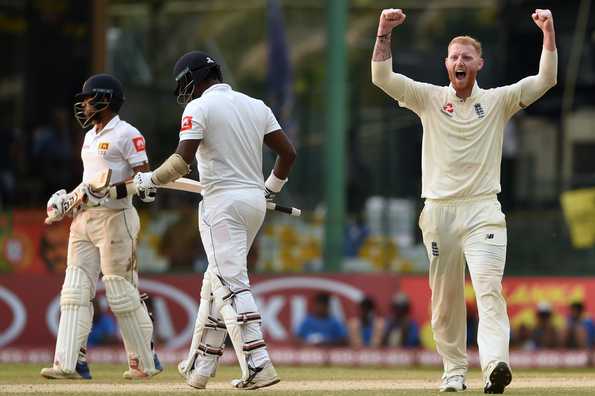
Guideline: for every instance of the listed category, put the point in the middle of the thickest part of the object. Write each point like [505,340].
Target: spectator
[523,338]
[320,327]
[579,331]
[51,151]
[545,334]
[366,329]
[104,330]
[401,330]
[8,158]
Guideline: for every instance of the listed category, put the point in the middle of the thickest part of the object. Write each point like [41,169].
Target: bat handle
[284,209]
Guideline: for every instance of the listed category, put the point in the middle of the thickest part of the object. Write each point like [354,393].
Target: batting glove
[55,206]
[147,195]
[95,198]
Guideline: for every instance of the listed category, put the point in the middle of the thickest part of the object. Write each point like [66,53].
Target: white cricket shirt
[118,146]
[231,126]
[462,139]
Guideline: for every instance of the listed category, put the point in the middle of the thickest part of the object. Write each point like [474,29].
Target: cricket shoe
[500,378]
[454,383]
[195,380]
[260,377]
[134,372]
[56,372]
[192,377]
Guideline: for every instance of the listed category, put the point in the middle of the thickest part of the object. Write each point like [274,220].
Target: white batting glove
[55,206]
[144,185]
[147,195]
[95,198]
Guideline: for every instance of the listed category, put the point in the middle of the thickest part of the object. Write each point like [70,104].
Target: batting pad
[133,319]
[75,318]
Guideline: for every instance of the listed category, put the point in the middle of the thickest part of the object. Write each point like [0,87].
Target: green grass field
[25,379]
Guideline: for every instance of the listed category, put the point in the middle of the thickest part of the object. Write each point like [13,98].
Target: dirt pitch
[24,379]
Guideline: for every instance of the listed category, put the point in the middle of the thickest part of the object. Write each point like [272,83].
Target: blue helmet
[106,92]
[190,69]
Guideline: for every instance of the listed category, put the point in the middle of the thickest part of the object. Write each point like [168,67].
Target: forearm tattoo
[382,50]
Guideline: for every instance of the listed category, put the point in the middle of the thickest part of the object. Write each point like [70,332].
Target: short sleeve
[510,98]
[271,123]
[194,121]
[133,147]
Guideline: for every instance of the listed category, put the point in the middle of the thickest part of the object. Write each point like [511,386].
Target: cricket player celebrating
[103,239]
[462,220]
[225,130]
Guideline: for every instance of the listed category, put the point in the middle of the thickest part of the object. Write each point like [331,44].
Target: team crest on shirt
[139,143]
[479,110]
[186,123]
[102,148]
[448,109]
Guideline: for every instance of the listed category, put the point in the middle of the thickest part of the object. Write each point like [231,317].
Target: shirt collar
[110,125]
[474,91]
[217,87]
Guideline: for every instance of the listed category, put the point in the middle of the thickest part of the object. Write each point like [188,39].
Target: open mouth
[460,75]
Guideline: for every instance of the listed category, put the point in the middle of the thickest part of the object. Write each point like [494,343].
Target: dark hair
[367,304]
[322,298]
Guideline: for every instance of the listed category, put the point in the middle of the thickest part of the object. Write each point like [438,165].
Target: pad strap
[210,350]
[251,346]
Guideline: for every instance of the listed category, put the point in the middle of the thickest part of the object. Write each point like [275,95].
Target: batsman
[225,130]
[462,221]
[102,237]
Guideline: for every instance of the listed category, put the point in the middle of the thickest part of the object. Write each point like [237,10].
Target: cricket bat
[188,185]
[77,196]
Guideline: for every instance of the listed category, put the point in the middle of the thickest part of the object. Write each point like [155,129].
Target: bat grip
[283,209]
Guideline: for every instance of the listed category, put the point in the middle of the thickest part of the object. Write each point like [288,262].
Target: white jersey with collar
[462,139]
[118,146]
[231,127]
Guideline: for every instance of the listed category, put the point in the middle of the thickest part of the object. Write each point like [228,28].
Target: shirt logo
[448,109]
[102,148]
[209,60]
[479,110]
[435,251]
[139,143]
[186,123]
[490,236]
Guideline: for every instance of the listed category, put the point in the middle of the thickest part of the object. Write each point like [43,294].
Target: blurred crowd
[368,328]
[39,161]
[399,329]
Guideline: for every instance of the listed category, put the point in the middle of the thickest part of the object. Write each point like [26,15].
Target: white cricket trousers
[103,240]
[229,222]
[456,231]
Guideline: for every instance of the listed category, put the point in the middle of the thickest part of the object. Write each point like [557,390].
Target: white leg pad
[202,316]
[75,318]
[208,338]
[223,297]
[248,315]
[133,319]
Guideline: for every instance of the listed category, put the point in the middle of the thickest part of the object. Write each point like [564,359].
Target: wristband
[274,184]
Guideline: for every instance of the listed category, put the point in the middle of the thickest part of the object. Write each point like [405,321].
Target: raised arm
[382,65]
[533,87]
[389,19]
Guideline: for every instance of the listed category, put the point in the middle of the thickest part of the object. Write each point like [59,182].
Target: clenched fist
[543,19]
[389,19]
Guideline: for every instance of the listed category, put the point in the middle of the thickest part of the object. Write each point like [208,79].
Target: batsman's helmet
[190,69]
[106,92]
